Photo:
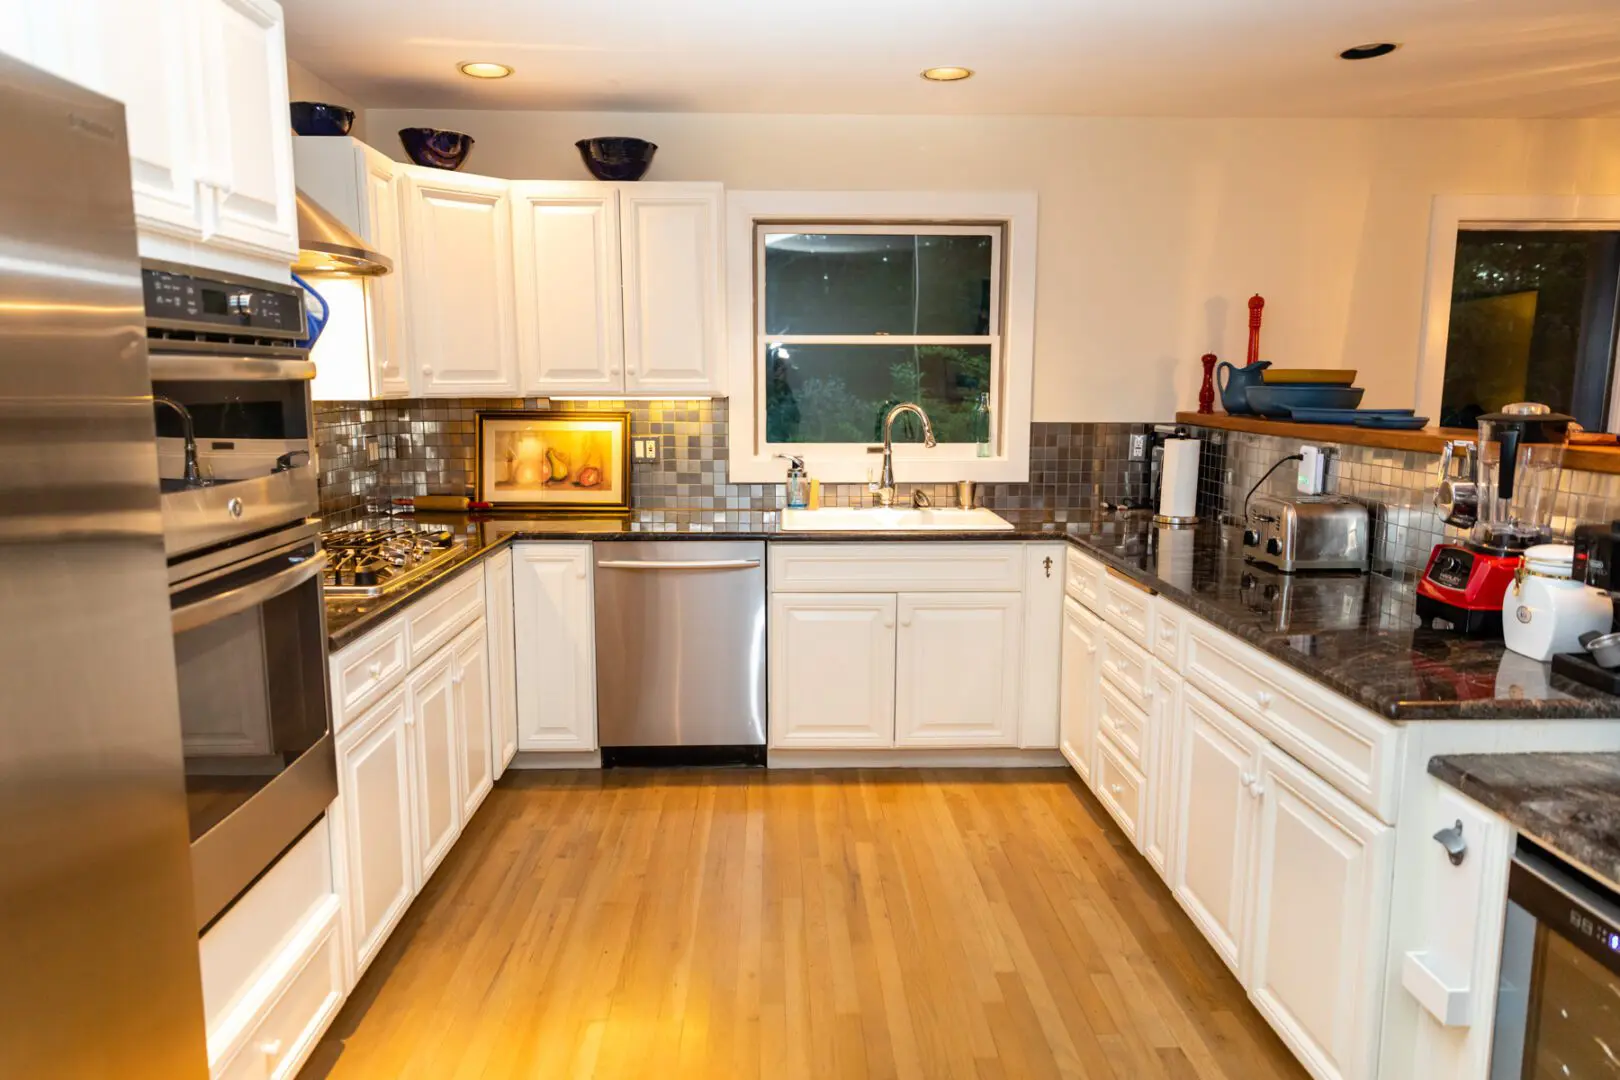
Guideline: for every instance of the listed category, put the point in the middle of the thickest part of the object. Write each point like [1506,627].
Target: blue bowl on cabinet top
[1279,400]
[319,118]
[617,157]
[435,147]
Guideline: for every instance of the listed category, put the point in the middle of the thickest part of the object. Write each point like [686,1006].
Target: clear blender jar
[1519,461]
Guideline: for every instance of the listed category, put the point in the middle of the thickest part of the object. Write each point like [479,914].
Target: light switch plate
[644,449]
[1139,448]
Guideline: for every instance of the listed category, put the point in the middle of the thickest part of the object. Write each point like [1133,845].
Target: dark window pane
[839,393]
[862,283]
[1532,319]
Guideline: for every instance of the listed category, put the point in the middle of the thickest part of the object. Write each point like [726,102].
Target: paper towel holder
[1162,434]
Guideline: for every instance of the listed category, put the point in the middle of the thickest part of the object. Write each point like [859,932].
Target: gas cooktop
[371,562]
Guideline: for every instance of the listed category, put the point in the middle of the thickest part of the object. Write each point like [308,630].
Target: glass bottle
[981,424]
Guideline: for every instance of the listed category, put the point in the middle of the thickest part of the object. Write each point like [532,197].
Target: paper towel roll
[1178,479]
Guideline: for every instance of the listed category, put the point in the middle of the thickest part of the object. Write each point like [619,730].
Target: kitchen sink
[892,519]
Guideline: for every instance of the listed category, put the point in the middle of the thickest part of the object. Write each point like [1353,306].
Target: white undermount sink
[892,519]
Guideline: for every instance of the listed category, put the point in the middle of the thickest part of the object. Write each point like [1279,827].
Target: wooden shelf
[1602,459]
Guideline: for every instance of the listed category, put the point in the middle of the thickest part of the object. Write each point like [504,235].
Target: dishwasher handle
[695,564]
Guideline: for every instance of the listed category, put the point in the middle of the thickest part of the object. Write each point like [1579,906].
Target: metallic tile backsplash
[374,451]
[1397,485]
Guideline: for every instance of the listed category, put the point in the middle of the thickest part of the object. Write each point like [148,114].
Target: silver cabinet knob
[234,508]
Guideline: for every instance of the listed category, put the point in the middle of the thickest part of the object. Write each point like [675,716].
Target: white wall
[1154,232]
[304,85]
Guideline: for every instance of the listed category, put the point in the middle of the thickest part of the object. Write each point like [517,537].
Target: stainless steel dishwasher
[680,651]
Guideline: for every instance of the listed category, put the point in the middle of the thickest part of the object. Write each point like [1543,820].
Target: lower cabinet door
[432,691]
[1119,786]
[374,757]
[1321,896]
[503,708]
[1215,822]
[471,678]
[1159,768]
[556,646]
[832,670]
[957,669]
[1077,716]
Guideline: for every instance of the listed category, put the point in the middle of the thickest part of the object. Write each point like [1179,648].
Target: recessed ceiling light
[1369,51]
[484,69]
[947,74]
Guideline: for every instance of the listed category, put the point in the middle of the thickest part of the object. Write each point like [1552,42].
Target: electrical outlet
[644,449]
[1139,448]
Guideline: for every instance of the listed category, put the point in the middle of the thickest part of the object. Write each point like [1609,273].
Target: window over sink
[847,304]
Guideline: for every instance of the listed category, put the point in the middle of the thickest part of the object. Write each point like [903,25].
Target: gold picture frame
[571,462]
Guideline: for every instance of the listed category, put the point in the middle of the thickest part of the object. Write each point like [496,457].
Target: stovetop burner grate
[371,562]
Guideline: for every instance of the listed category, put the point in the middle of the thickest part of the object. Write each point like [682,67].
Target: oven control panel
[177,300]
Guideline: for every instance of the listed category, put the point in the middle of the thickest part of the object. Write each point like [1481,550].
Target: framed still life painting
[555,461]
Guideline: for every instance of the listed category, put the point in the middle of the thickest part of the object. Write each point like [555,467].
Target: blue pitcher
[1234,382]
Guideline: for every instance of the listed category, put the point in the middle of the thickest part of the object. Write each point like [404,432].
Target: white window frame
[1454,213]
[1011,214]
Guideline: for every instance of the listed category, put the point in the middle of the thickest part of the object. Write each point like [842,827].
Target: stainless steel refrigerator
[98,944]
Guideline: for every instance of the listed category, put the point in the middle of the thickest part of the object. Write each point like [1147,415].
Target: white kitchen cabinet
[375,757]
[1157,839]
[432,692]
[832,670]
[248,148]
[1077,724]
[671,255]
[1215,822]
[503,710]
[459,297]
[1043,646]
[204,87]
[1320,917]
[385,294]
[556,646]
[471,679]
[958,659]
[570,314]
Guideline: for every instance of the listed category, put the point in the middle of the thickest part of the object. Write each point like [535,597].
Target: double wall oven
[231,394]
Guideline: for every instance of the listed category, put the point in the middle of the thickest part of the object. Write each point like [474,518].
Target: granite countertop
[1355,634]
[1569,802]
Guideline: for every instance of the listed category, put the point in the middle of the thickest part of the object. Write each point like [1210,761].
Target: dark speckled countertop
[1569,802]
[1356,634]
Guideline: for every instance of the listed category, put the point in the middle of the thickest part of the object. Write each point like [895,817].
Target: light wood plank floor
[933,924]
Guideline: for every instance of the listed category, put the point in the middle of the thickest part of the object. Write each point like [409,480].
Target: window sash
[763,341]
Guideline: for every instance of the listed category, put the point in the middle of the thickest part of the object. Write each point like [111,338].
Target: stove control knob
[1250,538]
[1273,546]
[235,508]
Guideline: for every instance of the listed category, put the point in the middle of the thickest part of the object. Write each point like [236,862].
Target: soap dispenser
[798,482]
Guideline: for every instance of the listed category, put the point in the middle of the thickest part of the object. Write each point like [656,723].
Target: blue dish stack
[1317,401]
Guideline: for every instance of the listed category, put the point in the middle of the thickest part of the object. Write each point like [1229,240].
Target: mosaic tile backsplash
[374,451]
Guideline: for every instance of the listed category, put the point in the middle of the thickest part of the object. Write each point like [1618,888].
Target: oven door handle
[207,367]
[232,601]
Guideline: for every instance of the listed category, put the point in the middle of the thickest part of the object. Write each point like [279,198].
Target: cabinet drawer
[441,614]
[1343,743]
[928,567]
[1167,623]
[1084,580]
[1127,666]
[1123,722]
[295,1016]
[1119,786]
[366,670]
[1128,607]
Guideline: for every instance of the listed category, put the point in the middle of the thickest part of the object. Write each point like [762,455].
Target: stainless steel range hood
[327,246]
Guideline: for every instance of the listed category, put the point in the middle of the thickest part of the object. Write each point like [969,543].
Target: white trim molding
[1015,212]
[1454,212]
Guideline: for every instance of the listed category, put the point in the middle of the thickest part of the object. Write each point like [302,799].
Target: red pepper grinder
[1206,392]
[1256,304]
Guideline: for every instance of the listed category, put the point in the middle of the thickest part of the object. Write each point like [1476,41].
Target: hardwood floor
[930,924]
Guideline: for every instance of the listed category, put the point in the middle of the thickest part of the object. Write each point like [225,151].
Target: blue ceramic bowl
[319,118]
[1280,401]
[436,148]
[617,157]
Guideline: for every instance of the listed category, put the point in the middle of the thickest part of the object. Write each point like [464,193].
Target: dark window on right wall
[1533,318]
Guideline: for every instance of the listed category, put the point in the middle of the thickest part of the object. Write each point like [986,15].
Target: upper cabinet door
[248,156]
[570,336]
[458,289]
[385,295]
[940,633]
[140,54]
[670,239]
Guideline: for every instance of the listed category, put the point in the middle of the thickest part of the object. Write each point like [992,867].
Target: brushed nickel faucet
[885,491]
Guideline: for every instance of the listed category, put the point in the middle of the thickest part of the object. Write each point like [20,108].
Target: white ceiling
[1485,58]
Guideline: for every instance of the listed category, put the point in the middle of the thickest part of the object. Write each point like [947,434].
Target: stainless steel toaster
[1308,532]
